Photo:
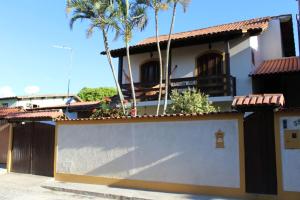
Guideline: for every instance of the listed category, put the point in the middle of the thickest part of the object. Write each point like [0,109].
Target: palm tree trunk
[160,63]
[105,39]
[167,59]
[127,39]
[131,79]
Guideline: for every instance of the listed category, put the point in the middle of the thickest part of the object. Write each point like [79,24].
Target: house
[235,59]
[35,101]
[74,110]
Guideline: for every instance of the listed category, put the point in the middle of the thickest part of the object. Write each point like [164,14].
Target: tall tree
[156,6]
[96,94]
[174,4]
[130,16]
[101,15]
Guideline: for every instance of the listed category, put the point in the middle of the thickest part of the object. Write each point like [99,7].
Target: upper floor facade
[216,60]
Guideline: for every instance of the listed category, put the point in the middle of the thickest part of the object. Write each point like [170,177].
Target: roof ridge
[283,58]
[214,26]
[37,111]
[152,116]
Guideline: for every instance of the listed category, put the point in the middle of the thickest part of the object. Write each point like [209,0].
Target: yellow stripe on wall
[151,185]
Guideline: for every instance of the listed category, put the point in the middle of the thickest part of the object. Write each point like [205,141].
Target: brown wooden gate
[4,139]
[260,156]
[33,149]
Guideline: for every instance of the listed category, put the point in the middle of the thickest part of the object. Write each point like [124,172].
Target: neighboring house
[218,61]
[75,110]
[35,101]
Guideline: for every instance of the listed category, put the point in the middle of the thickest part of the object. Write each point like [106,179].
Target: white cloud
[6,91]
[32,89]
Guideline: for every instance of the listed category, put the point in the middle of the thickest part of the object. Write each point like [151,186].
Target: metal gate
[33,148]
[260,156]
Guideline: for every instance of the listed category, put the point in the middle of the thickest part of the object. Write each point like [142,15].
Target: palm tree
[100,14]
[156,5]
[130,16]
[184,4]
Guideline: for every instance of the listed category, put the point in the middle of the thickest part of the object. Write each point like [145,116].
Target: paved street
[27,187]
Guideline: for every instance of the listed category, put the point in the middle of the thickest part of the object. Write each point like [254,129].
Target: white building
[36,101]
[217,60]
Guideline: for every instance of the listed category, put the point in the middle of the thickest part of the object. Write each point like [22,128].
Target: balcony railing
[214,86]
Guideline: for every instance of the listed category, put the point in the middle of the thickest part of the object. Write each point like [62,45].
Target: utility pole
[70,64]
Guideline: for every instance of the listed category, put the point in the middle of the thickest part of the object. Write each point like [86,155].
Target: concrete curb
[94,194]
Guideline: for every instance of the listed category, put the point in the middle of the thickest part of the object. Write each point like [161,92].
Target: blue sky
[30,28]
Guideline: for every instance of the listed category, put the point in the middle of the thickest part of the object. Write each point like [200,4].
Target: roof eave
[190,41]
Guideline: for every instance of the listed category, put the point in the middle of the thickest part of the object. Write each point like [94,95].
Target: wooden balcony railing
[214,86]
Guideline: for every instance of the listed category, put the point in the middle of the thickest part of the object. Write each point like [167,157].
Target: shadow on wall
[174,153]
[241,67]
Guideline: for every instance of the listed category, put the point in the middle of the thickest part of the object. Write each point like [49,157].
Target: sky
[31,65]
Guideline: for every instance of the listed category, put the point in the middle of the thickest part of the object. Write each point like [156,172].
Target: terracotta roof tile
[27,115]
[257,24]
[277,66]
[6,111]
[272,100]
[150,116]
[247,25]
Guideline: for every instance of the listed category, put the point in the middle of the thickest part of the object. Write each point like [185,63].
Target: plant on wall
[189,102]
[109,109]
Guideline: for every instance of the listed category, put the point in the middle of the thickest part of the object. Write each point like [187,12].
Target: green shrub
[96,94]
[190,101]
[107,109]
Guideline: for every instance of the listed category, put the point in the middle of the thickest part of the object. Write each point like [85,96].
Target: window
[5,105]
[253,56]
[210,64]
[35,106]
[150,73]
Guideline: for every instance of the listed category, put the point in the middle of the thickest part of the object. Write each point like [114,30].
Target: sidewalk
[120,193]
[3,169]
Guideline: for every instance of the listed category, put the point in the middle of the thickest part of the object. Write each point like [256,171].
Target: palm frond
[76,17]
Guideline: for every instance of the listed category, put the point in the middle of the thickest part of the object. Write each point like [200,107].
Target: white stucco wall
[290,158]
[270,41]
[43,102]
[268,45]
[241,66]
[182,152]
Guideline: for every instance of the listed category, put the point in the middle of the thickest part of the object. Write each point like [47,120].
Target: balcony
[214,86]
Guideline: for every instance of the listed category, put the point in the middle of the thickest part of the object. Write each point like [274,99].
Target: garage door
[33,149]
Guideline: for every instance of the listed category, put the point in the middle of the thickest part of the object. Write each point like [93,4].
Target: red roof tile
[247,25]
[277,66]
[150,116]
[27,115]
[5,111]
[273,100]
[257,24]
